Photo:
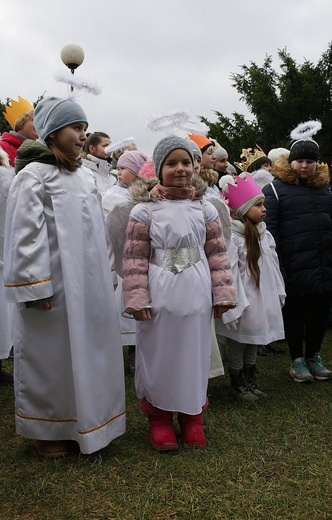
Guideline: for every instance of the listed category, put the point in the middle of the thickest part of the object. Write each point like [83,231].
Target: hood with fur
[282,170]
[139,190]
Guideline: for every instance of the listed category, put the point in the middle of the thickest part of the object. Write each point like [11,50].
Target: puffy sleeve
[220,268]
[27,266]
[135,265]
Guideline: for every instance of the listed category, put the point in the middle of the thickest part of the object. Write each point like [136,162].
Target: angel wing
[223,212]
[116,223]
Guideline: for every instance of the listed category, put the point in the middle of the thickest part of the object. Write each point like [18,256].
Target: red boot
[192,429]
[162,434]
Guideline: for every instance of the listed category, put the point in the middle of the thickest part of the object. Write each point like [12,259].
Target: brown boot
[51,449]
[162,434]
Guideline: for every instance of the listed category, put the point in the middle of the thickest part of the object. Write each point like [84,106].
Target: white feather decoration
[167,122]
[305,130]
[77,83]
[127,141]
[195,127]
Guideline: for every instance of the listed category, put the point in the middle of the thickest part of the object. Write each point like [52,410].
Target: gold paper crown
[17,108]
[249,156]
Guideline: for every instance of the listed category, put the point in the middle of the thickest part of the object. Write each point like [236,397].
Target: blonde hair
[20,122]
[209,176]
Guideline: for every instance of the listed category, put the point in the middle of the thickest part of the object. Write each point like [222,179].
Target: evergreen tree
[278,102]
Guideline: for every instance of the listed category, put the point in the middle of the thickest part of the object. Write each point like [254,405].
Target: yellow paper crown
[17,108]
[249,156]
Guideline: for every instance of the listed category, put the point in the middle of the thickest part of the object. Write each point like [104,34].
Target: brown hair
[93,140]
[62,160]
[27,116]
[252,239]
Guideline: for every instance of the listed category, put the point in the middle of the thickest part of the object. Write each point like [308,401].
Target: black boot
[250,372]
[239,387]
[5,377]
[132,358]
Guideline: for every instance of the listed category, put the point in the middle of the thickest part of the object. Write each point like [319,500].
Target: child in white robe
[128,165]
[176,274]
[257,320]
[69,380]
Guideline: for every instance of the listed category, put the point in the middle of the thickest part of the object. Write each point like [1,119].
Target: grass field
[266,460]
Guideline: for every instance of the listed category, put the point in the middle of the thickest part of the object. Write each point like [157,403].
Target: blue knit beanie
[165,147]
[52,114]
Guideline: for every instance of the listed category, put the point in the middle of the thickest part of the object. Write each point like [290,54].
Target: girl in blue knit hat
[69,382]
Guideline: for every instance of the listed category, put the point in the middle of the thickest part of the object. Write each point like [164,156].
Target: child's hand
[142,315]
[219,310]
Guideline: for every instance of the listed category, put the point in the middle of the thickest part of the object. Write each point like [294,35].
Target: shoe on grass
[317,369]
[6,378]
[51,449]
[300,372]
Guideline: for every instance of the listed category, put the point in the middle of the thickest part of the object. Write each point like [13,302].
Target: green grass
[266,460]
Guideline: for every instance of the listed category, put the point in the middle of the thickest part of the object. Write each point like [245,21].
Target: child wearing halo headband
[176,271]
[299,210]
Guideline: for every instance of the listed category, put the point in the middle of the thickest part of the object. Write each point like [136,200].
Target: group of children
[178,272]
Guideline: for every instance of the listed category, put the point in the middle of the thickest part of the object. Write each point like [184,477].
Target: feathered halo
[177,120]
[127,141]
[306,130]
[77,83]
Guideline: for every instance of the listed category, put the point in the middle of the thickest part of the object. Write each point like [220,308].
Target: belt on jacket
[175,260]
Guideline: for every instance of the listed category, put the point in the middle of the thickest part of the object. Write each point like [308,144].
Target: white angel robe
[6,309]
[69,376]
[174,348]
[258,311]
[112,198]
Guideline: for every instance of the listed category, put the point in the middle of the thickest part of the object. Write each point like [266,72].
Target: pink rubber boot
[162,434]
[192,429]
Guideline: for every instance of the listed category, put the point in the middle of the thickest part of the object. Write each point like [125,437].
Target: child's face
[177,169]
[304,167]
[208,158]
[70,139]
[266,166]
[221,164]
[197,164]
[257,212]
[125,176]
[98,150]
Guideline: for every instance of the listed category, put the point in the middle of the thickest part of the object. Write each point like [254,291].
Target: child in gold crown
[257,320]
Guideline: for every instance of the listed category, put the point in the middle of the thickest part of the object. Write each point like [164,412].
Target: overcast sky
[153,56]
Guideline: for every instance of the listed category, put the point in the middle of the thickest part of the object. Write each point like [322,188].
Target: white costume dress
[259,309]
[113,197]
[173,349]
[69,377]
[6,309]
[101,170]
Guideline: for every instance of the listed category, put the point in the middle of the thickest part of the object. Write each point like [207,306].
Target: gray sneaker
[300,372]
[318,371]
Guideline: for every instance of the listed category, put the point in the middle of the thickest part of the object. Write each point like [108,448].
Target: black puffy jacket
[301,223]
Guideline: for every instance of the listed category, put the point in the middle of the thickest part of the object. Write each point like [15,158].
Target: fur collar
[139,190]
[282,170]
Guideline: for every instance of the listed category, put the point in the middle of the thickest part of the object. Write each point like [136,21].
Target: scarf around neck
[238,228]
[171,193]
